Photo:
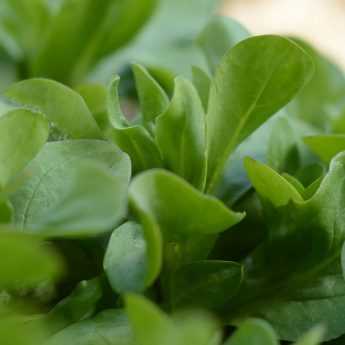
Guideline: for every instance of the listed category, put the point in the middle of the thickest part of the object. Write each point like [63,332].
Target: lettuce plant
[121,230]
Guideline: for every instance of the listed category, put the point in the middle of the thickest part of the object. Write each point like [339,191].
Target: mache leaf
[180,134]
[74,188]
[23,133]
[65,109]
[132,139]
[255,79]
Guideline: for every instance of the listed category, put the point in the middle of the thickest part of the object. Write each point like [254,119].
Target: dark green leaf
[207,284]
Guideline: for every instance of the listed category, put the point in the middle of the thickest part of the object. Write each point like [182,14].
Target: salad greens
[166,207]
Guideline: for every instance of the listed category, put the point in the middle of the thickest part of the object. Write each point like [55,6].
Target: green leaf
[109,327]
[153,99]
[25,261]
[79,305]
[320,301]
[293,292]
[153,327]
[150,325]
[219,35]
[83,32]
[294,182]
[134,140]
[65,109]
[253,332]
[22,133]
[208,284]
[246,91]
[202,83]
[313,337]
[157,192]
[270,185]
[180,133]
[326,146]
[197,327]
[84,197]
[125,261]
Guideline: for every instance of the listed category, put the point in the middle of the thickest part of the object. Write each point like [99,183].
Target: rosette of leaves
[114,206]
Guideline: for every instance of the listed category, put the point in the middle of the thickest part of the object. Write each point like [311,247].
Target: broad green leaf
[94,201]
[247,90]
[253,332]
[321,101]
[157,192]
[65,109]
[270,185]
[83,32]
[180,134]
[219,35]
[202,83]
[22,133]
[79,305]
[153,99]
[110,327]
[313,337]
[326,146]
[150,325]
[320,301]
[208,284]
[134,140]
[125,262]
[95,96]
[74,188]
[25,261]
